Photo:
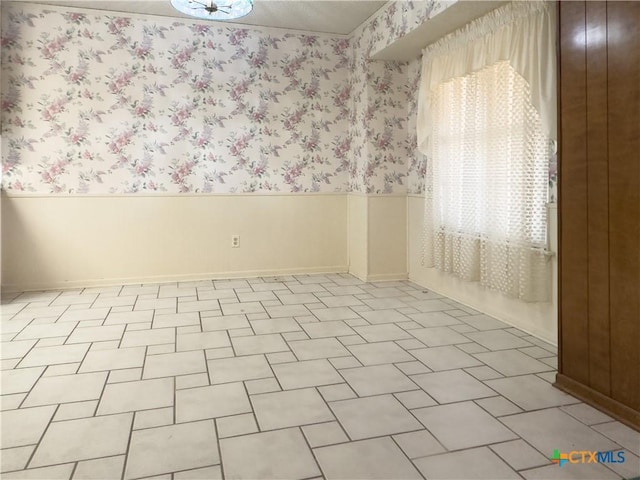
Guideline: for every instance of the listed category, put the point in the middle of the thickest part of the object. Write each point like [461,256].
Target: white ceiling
[337,16]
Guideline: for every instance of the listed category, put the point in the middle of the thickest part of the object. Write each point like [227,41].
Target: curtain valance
[522,33]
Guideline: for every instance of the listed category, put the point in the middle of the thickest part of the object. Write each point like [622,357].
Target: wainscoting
[378,236]
[68,241]
[59,242]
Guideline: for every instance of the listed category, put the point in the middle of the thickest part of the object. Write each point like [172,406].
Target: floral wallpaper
[385,128]
[417,162]
[379,117]
[106,104]
[401,17]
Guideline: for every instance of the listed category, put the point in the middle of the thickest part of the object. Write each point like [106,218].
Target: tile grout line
[127,450]
[316,388]
[46,429]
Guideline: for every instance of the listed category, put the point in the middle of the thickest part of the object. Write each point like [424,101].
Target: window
[486,118]
[487,181]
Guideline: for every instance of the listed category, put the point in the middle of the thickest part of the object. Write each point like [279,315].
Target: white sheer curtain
[486,118]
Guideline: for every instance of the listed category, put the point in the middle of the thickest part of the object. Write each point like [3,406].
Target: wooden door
[599,196]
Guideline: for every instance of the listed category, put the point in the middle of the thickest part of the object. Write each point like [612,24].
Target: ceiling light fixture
[211,10]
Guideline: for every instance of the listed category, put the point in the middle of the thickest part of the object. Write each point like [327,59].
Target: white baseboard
[108,282]
[521,315]
[387,277]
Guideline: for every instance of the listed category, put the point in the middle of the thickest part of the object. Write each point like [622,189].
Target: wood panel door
[599,211]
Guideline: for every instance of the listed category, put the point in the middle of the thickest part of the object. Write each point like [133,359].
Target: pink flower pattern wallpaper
[399,18]
[417,162]
[107,104]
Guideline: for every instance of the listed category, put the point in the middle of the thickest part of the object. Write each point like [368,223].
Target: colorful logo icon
[559,458]
[584,456]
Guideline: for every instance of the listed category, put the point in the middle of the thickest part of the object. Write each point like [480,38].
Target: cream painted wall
[387,252]
[378,236]
[539,319]
[57,242]
[358,232]
[1,243]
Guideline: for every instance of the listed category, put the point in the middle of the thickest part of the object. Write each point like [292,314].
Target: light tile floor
[297,377]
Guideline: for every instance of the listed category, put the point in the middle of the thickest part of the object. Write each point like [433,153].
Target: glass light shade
[214,9]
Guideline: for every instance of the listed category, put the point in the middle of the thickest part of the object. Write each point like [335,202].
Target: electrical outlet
[235,241]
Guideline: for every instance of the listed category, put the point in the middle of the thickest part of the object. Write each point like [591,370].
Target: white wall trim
[491,303]
[173,278]
[385,277]
[368,195]
[13,194]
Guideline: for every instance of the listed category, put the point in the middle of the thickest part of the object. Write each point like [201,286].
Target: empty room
[265,239]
